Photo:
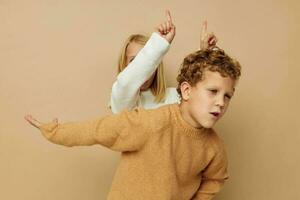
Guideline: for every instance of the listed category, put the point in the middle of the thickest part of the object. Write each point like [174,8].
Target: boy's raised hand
[167,28]
[207,40]
[35,122]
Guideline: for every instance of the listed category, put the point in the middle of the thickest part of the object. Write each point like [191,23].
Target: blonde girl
[140,81]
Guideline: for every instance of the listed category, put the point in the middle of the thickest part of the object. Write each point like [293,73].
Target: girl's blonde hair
[158,86]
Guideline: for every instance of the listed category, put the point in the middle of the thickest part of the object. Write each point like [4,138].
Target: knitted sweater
[126,92]
[163,157]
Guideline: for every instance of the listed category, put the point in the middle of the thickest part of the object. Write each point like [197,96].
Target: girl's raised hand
[207,40]
[167,28]
[35,122]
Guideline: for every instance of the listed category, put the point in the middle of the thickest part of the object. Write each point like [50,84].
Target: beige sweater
[163,157]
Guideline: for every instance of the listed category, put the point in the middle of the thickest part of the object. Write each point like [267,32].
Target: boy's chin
[207,124]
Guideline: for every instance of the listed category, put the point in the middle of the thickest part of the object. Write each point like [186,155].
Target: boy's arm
[123,132]
[126,88]
[213,177]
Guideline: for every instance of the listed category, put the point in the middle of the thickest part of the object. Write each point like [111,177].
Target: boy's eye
[213,91]
[228,96]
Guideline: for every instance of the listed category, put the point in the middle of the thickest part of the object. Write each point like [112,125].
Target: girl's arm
[126,88]
[127,131]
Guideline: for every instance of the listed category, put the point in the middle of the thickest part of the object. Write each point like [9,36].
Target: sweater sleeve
[125,89]
[126,131]
[213,177]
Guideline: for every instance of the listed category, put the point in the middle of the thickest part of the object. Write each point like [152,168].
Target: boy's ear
[185,88]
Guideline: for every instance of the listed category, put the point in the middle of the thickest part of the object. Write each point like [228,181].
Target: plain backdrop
[59,59]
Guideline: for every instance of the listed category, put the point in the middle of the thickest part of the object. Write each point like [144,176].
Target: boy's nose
[220,102]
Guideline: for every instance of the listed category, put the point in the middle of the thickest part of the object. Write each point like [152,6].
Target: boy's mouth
[215,114]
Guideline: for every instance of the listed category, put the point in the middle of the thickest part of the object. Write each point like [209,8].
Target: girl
[141,81]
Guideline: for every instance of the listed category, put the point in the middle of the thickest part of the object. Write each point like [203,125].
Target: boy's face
[207,101]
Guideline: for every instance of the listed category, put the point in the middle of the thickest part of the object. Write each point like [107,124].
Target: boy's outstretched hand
[207,40]
[35,122]
[167,28]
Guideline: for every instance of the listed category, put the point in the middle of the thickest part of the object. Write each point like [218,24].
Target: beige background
[58,59]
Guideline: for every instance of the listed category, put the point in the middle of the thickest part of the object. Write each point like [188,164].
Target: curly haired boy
[169,153]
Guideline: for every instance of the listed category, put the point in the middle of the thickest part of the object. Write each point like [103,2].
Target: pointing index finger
[204,29]
[168,15]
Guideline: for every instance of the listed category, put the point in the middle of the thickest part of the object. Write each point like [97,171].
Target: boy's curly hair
[216,60]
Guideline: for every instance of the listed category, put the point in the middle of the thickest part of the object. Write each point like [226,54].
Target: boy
[169,153]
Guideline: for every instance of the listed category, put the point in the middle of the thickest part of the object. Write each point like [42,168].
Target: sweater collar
[187,128]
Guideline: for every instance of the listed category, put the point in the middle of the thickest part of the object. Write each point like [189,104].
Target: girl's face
[207,101]
[132,50]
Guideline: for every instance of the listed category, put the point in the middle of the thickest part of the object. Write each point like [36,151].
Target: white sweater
[126,92]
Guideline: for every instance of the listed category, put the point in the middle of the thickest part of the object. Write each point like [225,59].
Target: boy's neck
[186,116]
